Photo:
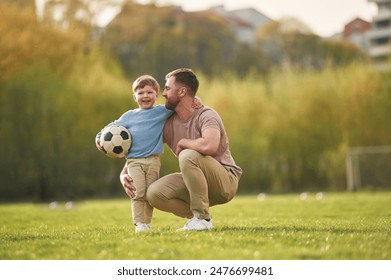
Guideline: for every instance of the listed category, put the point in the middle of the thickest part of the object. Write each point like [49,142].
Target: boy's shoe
[197,224]
[142,227]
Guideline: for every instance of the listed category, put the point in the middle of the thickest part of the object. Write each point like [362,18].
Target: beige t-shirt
[175,129]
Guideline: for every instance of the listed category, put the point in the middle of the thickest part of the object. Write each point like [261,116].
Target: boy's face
[145,97]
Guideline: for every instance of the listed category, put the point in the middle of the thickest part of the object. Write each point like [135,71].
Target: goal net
[368,167]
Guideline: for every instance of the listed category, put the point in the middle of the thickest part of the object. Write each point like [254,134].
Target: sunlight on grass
[339,226]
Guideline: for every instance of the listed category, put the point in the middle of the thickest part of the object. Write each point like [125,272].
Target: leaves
[288,130]
[25,41]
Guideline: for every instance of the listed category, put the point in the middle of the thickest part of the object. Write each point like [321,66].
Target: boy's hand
[197,103]
[98,145]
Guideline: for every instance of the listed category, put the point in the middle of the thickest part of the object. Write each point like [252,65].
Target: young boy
[145,124]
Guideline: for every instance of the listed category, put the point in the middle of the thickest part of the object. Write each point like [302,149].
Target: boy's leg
[138,202]
[152,170]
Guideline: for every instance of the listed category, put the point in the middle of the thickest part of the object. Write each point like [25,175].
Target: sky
[324,17]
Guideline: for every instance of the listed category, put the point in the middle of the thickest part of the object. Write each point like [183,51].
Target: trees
[288,129]
[75,14]
[151,39]
[28,5]
[25,41]
[289,44]
[48,120]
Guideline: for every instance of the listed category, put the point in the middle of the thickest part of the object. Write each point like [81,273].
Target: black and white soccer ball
[116,141]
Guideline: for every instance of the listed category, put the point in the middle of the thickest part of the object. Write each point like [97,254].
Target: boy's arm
[97,140]
[97,137]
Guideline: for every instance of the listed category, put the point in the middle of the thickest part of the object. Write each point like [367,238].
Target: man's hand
[127,183]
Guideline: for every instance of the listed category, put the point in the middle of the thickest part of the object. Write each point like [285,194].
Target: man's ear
[183,91]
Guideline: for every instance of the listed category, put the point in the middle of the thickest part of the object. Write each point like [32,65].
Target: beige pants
[144,171]
[203,182]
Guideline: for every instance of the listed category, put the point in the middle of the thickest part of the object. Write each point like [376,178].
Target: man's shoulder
[207,112]
[207,117]
[205,109]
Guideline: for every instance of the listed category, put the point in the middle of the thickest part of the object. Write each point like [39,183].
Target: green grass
[281,227]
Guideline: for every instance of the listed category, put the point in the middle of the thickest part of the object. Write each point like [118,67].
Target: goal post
[353,172]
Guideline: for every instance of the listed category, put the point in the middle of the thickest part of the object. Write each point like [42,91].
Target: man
[209,175]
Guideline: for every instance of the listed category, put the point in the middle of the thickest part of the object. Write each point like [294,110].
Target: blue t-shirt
[146,129]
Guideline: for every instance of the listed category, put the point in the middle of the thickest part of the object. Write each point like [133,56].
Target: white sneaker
[197,224]
[142,227]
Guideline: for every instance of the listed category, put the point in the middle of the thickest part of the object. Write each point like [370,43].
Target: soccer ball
[116,141]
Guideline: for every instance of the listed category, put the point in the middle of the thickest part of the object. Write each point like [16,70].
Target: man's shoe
[142,227]
[197,224]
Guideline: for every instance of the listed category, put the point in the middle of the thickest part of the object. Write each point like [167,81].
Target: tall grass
[334,226]
[290,130]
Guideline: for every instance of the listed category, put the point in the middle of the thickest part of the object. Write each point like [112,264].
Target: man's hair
[187,77]
[145,80]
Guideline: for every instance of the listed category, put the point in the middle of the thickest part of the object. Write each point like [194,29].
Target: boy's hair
[145,80]
[186,77]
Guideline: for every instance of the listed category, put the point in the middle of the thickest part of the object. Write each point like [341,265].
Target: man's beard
[171,105]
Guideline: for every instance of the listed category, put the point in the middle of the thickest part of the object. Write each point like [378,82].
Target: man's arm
[207,144]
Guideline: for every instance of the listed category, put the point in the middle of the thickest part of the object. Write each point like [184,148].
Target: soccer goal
[368,166]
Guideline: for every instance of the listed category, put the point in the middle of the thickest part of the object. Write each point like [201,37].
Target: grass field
[340,226]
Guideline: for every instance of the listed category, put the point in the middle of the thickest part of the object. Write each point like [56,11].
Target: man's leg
[208,182]
[170,194]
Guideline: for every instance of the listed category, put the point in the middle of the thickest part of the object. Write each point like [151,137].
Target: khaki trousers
[203,182]
[144,171]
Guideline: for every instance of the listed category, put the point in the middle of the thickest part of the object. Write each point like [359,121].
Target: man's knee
[188,155]
[152,193]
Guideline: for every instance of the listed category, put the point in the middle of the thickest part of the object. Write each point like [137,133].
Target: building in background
[356,32]
[245,22]
[380,34]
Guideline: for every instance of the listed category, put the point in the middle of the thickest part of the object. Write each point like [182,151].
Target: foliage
[25,41]
[340,226]
[289,129]
[151,39]
[286,48]
[68,14]
[49,126]
[48,117]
